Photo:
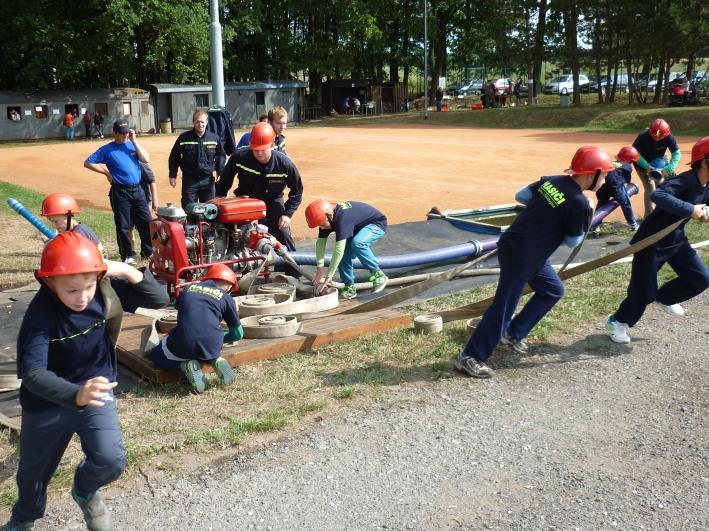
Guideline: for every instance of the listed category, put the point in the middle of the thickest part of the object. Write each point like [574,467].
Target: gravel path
[580,434]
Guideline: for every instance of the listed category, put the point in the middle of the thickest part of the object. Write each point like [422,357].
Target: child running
[66,359]
[557,212]
[357,226]
[198,335]
[684,196]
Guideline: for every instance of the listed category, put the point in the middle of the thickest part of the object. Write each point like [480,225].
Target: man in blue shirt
[652,144]
[557,212]
[686,196]
[118,161]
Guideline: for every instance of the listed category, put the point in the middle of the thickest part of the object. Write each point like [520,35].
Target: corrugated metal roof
[70,96]
[165,88]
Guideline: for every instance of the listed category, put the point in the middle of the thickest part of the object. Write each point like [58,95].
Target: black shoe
[472,367]
[518,345]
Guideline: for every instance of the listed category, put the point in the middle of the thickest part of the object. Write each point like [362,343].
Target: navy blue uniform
[198,334]
[650,150]
[614,188]
[198,158]
[351,217]
[675,199]
[127,198]
[557,210]
[268,183]
[58,350]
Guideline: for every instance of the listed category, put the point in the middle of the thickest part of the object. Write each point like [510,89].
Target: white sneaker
[673,309]
[130,261]
[618,331]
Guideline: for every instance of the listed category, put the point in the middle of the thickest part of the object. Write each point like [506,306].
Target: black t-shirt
[350,217]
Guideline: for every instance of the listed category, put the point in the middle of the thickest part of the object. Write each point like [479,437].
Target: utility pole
[425,59]
[216,59]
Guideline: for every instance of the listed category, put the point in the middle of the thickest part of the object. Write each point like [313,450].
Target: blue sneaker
[226,374]
[193,372]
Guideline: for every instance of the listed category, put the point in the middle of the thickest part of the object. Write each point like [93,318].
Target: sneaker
[348,292]
[130,261]
[96,514]
[226,374]
[379,281]
[618,331]
[14,525]
[634,226]
[518,345]
[193,372]
[472,367]
[673,309]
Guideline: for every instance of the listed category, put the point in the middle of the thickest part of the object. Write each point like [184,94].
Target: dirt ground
[403,170]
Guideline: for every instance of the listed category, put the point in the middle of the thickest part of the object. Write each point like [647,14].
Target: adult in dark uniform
[652,144]
[118,161]
[265,173]
[686,196]
[557,212]
[198,153]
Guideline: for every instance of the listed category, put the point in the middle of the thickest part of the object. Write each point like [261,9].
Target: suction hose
[447,254]
[29,216]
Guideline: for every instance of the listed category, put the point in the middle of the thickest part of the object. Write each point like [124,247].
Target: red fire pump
[222,230]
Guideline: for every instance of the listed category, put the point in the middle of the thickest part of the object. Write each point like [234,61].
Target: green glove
[235,333]
[670,169]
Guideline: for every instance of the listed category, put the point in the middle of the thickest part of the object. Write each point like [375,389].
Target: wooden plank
[314,334]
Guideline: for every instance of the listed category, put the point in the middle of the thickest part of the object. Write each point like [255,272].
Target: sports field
[402,169]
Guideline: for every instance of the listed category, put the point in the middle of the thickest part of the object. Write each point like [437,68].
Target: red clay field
[402,170]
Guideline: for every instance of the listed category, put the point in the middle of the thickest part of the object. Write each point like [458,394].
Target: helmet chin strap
[595,180]
[68,220]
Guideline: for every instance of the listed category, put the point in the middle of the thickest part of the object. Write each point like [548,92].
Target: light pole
[215,37]
[425,59]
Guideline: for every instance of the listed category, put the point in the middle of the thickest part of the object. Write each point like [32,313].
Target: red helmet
[70,253]
[315,212]
[262,136]
[700,150]
[589,160]
[628,154]
[221,272]
[659,129]
[59,205]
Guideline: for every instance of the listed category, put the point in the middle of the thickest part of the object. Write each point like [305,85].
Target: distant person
[14,115]
[69,125]
[244,140]
[119,161]
[278,118]
[683,197]
[87,125]
[439,99]
[357,104]
[652,144]
[490,102]
[346,105]
[98,124]
[207,302]
[198,153]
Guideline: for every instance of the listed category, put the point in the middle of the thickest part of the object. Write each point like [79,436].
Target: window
[70,108]
[14,114]
[201,100]
[41,111]
[260,98]
[144,111]
[126,108]
[102,108]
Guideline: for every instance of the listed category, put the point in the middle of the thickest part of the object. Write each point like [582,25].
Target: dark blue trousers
[43,440]
[614,188]
[692,278]
[274,211]
[497,320]
[197,189]
[130,208]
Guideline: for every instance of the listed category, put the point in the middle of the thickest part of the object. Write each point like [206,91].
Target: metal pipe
[29,216]
[215,38]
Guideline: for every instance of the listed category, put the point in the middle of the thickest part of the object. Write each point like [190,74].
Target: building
[244,101]
[41,114]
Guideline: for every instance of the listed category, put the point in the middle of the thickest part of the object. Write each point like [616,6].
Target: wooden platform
[315,333]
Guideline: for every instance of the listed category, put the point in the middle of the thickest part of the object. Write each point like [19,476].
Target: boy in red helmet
[557,212]
[614,187]
[652,144]
[356,226]
[198,336]
[685,196]
[61,210]
[67,362]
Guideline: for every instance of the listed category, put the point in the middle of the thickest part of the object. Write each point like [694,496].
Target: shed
[385,97]
[244,101]
[41,113]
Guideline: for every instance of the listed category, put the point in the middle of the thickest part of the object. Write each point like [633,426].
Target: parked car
[565,84]
[503,86]
[472,88]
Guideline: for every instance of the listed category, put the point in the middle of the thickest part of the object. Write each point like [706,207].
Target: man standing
[69,125]
[264,174]
[118,161]
[278,118]
[198,153]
